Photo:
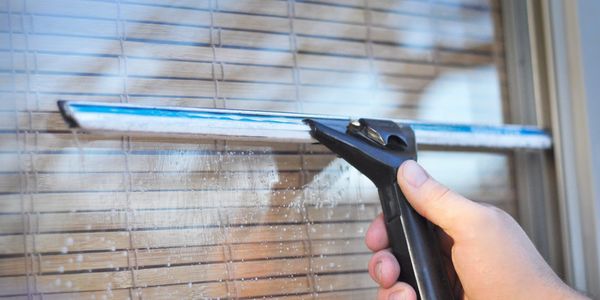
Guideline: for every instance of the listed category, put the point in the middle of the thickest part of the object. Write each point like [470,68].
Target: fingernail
[378,267]
[400,295]
[414,174]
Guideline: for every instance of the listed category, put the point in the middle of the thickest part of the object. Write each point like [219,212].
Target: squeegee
[376,147]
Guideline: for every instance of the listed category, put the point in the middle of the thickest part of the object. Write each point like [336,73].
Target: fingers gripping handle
[415,246]
[377,148]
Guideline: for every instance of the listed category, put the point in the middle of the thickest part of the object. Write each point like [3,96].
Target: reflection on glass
[100,217]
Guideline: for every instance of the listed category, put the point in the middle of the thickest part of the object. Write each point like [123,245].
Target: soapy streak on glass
[87,215]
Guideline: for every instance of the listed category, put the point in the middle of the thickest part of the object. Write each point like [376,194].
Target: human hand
[491,254]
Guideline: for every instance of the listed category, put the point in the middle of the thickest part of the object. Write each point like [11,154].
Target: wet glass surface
[91,216]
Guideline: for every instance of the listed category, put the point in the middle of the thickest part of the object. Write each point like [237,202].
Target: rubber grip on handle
[415,245]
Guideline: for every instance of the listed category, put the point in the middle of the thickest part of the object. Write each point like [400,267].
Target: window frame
[557,200]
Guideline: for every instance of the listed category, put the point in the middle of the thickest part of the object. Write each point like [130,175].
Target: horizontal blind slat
[328,256]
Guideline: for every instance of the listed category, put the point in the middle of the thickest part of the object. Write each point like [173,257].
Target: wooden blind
[90,216]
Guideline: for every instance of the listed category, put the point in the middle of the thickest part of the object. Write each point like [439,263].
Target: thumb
[433,200]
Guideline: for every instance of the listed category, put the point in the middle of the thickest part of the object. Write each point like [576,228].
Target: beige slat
[208,290]
[168,162]
[9,142]
[482,30]
[225,72]
[274,233]
[204,290]
[465,59]
[363,80]
[12,183]
[56,182]
[122,259]
[104,294]
[355,294]
[83,282]
[326,283]
[13,266]
[414,54]
[13,224]
[386,19]
[351,263]
[274,267]
[358,97]
[398,68]
[162,32]
[10,162]
[13,285]
[164,51]
[196,17]
[357,64]
[65,282]
[85,221]
[66,243]
[180,274]
[200,88]
[279,286]
[147,50]
[415,7]
[338,230]
[93,201]
[79,242]
[13,244]
[308,44]
[83,261]
[189,255]
[280,8]
[183,274]
[386,35]
[70,8]
[154,32]
[329,13]
[277,8]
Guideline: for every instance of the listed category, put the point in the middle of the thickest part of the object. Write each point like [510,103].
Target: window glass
[94,216]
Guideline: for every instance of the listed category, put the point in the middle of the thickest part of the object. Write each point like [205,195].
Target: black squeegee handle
[377,148]
[414,244]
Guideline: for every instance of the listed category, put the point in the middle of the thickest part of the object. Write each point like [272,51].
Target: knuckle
[491,215]
[435,195]
[444,194]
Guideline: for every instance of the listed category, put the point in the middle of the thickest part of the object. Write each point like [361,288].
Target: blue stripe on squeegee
[443,134]
[174,113]
[249,117]
[480,129]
